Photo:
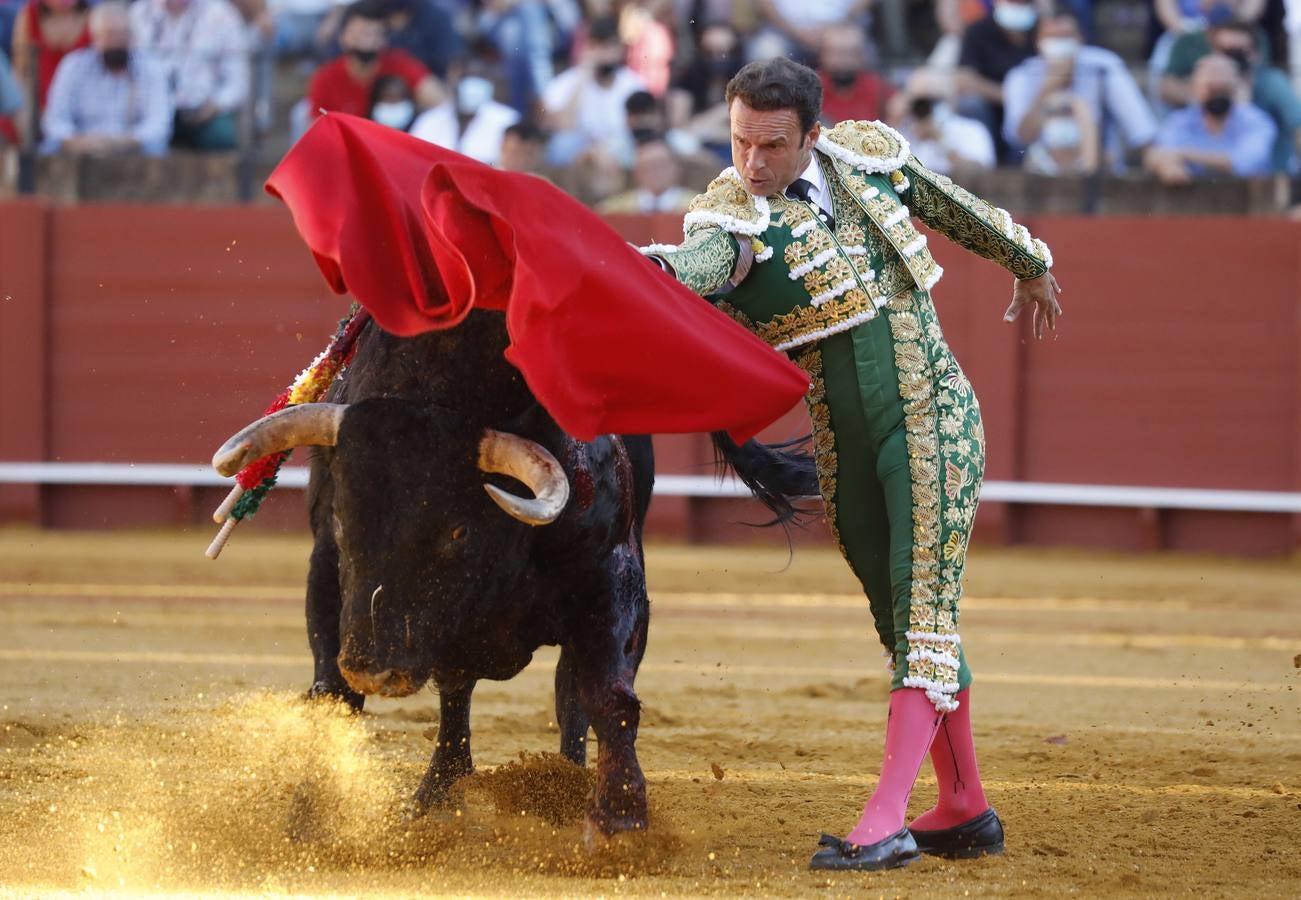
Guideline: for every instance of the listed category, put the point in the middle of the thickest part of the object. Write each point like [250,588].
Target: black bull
[416,574]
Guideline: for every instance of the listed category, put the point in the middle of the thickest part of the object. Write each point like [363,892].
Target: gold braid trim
[932,632]
[810,323]
[975,224]
[824,439]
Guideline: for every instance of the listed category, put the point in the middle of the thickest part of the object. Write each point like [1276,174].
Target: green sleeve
[970,222]
[703,262]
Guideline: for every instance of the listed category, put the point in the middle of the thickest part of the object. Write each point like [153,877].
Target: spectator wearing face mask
[1097,76]
[584,105]
[1218,133]
[850,89]
[943,140]
[391,103]
[656,175]
[1067,142]
[106,99]
[474,124]
[992,47]
[1271,89]
[346,84]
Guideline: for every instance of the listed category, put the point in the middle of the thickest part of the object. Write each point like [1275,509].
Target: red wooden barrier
[149,333]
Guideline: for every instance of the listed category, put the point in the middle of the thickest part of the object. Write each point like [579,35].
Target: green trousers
[900,451]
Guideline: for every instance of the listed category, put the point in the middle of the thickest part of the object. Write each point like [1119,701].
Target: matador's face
[768,147]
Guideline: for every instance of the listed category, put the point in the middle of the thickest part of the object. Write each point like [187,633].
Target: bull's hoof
[339,693]
[435,796]
[600,824]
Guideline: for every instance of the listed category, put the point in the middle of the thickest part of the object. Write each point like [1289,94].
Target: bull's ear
[305,425]
[531,464]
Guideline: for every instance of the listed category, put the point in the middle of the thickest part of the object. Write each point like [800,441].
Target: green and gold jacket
[809,281]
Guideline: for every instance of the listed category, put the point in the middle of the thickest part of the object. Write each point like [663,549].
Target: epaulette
[867,146]
[727,204]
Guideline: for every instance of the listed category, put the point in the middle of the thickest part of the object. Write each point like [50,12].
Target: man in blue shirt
[1065,66]
[1217,133]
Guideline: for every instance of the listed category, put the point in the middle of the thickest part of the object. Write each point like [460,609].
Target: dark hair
[779,83]
[526,131]
[370,10]
[1062,11]
[383,82]
[641,102]
[604,30]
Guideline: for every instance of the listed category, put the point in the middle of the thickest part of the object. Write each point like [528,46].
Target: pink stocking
[908,735]
[954,756]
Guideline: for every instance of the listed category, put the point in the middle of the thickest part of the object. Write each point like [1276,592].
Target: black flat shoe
[897,850]
[976,837]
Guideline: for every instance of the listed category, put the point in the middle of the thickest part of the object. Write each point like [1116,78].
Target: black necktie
[799,190]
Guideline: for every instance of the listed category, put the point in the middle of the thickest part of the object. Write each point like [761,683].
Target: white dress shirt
[819,193]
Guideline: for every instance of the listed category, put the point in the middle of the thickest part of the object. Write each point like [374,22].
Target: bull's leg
[452,752]
[569,711]
[608,649]
[323,609]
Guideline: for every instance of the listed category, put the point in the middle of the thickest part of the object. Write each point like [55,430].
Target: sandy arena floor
[1138,720]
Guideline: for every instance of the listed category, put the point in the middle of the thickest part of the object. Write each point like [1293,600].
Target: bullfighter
[808,241]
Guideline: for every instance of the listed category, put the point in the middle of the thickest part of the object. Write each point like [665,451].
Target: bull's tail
[779,475]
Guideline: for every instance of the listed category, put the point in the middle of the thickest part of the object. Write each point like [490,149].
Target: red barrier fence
[150,333]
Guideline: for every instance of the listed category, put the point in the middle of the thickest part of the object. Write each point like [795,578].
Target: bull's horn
[305,425]
[530,463]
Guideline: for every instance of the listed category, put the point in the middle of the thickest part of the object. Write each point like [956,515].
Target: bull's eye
[458,532]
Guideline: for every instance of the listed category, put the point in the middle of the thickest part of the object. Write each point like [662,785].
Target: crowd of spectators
[630,92]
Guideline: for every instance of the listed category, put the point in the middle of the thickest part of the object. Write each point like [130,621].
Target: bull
[430,563]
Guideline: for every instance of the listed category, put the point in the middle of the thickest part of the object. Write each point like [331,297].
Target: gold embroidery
[973,223]
[869,140]
[725,197]
[806,323]
[916,374]
[737,315]
[801,251]
[705,260]
[824,439]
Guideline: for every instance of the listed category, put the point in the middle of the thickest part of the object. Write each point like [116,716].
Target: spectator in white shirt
[105,98]
[1067,142]
[202,47]
[584,105]
[940,138]
[473,124]
[1097,76]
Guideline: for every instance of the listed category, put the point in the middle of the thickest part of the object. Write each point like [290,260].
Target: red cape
[420,235]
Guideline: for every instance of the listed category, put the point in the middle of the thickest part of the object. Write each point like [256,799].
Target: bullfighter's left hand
[1041,293]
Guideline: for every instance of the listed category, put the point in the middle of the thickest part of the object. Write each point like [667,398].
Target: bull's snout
[388,682]
[367,682]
